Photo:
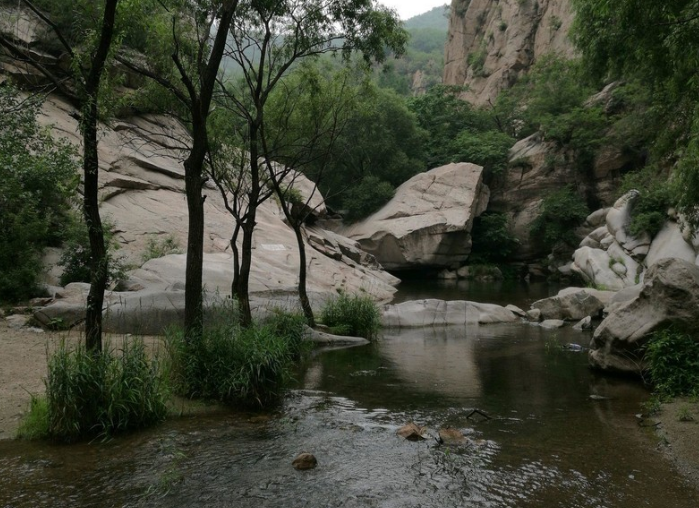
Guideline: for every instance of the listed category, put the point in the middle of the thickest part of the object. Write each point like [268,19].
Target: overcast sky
[409,8]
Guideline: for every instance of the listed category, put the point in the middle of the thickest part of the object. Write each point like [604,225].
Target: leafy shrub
[92,394]
[231,364]
[559,214]
[655,197]
[76,258]
[355,315]
[488,149]
[370,195]
[39,176]
[492,240]
[158,248]
[673,363]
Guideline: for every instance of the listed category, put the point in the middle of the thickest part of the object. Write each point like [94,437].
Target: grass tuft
[355,315]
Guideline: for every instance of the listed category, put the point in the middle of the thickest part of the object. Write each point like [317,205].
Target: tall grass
[234,365]
[91,394]
[355,315]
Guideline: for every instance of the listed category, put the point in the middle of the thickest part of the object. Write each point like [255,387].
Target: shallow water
[548,444]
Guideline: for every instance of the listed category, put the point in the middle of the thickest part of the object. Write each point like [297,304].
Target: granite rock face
[670,295]
[428,222]
[507,38]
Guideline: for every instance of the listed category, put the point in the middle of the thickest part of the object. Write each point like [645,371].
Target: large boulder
[426,313]
[670,295]
[573,304]
[428,222]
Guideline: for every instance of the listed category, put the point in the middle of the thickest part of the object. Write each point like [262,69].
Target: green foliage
[236,365]
[367,197]
[492,240]
[38,180]
[91,394]
[655,197]
[560,213]
[380,138]
[76,257]
[355,315]
[35,424]
[655,44]
[673,362]
[458,132]
[476,60]
[489,149]
[158,248]
[551,98]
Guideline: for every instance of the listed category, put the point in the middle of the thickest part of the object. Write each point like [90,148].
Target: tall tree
[267,39]
[196,43]
[88,70]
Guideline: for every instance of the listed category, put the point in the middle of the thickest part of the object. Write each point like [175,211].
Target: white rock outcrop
[428,222]
[669,296]
[431,312]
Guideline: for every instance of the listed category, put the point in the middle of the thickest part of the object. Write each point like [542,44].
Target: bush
[489,149]
[673,363]
[492,240]
[158,248]
[559,214]
[39,177]
[92,394]
[649,211]
[75,259]
[370,195]
[235,365]
[355,315]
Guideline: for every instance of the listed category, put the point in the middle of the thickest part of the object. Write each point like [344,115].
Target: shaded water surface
[548,445]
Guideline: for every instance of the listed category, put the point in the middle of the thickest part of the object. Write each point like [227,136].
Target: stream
[548,443]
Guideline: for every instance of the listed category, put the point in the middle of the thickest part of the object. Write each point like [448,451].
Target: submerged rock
[573,303]
[412,432]
[450,436]
[304,461]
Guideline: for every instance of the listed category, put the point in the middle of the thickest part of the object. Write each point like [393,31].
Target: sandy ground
[23,368]
[678,435]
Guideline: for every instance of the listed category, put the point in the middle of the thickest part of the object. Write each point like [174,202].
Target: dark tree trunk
[98,259]
[242,288]
[193,298]
[303,295]
[236,260]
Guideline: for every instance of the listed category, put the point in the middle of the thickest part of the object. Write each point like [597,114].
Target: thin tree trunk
[99,259]
[236,260]
[98,251]
[303,295]
[243,293]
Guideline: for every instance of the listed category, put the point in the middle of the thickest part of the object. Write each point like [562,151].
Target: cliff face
[492,42]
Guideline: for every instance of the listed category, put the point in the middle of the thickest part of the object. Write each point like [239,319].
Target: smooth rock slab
[426,313]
